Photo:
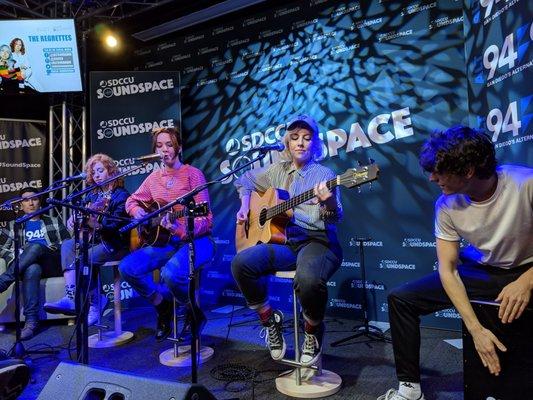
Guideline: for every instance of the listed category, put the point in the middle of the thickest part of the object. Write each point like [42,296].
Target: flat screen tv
[39,55]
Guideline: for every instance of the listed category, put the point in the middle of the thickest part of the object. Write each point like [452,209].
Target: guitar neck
[297,200]
[172,216]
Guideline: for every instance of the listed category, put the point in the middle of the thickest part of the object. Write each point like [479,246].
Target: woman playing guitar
[311,247]
[165,185]
[105,242]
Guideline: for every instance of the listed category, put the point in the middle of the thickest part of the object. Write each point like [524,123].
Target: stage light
[111,41]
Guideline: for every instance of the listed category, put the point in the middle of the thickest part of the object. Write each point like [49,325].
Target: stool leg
[175,328]
[116,302]
[298,372]
[99,294]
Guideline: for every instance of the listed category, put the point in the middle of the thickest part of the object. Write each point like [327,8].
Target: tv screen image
[40,55]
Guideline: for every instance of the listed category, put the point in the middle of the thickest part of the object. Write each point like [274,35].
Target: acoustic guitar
[151,233]
[270,212]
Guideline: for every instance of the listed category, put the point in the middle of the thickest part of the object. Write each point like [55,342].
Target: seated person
[40,238]
[491,208]
[106,244]
[311,248]
[172,257]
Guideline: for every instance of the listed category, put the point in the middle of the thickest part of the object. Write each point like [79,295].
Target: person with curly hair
[106,244]
[490,207]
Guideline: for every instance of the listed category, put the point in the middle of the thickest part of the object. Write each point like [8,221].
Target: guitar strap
[290,180]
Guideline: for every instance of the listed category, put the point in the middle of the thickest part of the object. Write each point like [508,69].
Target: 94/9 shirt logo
[33,235]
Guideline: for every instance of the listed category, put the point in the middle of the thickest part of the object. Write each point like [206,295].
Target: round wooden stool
[304,382]
[116,337]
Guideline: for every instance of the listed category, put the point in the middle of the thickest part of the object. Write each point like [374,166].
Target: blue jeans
[173,260]
[97,255]
[33,260]
[315,262]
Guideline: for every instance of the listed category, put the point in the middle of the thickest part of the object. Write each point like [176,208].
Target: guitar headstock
[201,209]
[358,176]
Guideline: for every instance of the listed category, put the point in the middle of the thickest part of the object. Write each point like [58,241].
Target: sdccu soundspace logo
[127,86]
[381,129]
[125,164]
[126,126]
[235,146]
[17,143]
[6,187]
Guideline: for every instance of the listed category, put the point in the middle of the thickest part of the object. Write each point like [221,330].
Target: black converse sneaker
[312,346]
[273,334]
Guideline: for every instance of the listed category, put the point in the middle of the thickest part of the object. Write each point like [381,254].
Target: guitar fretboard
[297,200]
[172,216]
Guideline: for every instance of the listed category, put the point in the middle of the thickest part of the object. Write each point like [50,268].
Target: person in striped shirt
[165,185]
[312,248]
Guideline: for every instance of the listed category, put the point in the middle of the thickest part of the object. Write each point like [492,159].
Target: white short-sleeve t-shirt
[499,229]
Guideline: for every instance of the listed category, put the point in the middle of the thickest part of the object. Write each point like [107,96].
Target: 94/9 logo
[513,119]
[494,57]
[488,5]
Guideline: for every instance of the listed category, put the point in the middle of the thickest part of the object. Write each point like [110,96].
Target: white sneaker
[312,346]
[94,311]
[64,305]
[392,394]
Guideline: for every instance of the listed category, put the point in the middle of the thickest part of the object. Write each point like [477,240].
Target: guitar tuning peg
[371,161]
[370,186]
[359,189]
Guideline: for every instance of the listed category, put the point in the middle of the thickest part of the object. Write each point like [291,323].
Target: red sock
[312,329]
[264,314]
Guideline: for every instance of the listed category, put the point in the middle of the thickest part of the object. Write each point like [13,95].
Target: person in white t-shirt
[489,206]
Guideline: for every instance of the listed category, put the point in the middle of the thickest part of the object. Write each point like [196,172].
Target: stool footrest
[296,364]
[174,340]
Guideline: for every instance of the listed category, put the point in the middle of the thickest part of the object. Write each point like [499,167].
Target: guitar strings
[291,203]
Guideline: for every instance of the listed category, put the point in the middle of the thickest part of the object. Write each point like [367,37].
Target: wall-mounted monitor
[39,55]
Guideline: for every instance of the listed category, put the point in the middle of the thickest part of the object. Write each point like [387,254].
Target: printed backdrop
[125,107]
[377,76]
[499,53]
[22,156]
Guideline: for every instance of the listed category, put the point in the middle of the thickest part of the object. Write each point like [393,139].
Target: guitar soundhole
[262,217]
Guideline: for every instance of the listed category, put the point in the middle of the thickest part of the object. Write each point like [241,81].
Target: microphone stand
[188,201]
[18,349]
[82,264]
[75,195]
[373,333]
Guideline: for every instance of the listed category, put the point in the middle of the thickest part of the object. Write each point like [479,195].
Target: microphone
[149,157]
[81,176]
[268,147]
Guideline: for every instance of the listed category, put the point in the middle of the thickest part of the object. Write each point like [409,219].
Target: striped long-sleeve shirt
[284,175]
[166,185]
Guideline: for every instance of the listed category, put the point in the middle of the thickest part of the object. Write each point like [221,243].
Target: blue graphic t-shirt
[34,232]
